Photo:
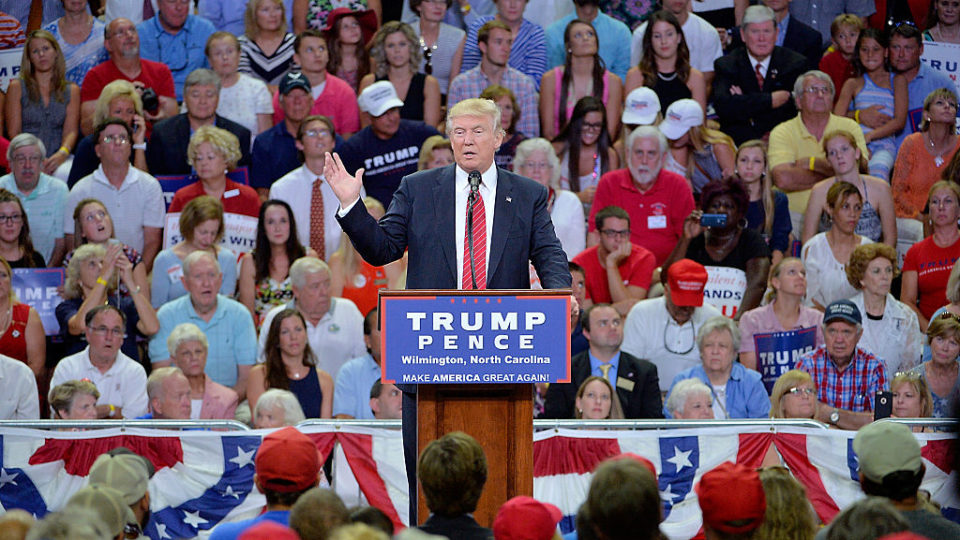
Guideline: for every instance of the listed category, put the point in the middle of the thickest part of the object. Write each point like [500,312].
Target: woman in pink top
[581,75]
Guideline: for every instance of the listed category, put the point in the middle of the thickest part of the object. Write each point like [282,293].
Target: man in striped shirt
[11,32]
[529,52]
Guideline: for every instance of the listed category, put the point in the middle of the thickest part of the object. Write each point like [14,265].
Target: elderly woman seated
[74,400]
[188,350]
[690,400]
[737,392]
[277,408]
[596,400]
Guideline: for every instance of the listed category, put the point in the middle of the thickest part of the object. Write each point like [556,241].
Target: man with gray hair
[751,91]
[796,157]
[846,376]
[657,200]
[334,325]
[44,198]
[167,149]
[227,324]
[169,393]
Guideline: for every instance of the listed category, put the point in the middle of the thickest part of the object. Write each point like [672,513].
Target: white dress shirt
[488,190]
[123,385]
[18,401]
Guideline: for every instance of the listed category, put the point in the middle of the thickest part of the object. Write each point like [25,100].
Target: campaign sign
[724,289]
[39,288]
[778,352]
[9,66]
[239,232]
[464,338]
[170,184]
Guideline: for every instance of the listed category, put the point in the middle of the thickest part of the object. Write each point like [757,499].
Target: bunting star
[668,495]
[680,459]
[162,531]
[7,478]
[229,492]
[243,457]
[193,519]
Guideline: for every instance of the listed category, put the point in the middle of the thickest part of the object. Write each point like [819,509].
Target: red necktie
[479,246]
[316,219]
[756,70]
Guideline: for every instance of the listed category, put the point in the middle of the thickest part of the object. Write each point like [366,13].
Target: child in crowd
[838,63]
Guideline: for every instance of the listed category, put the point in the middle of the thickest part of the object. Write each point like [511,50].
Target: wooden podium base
[500,417]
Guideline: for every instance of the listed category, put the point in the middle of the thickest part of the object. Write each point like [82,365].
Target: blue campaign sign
[778,352]
[463,338]
[39,288]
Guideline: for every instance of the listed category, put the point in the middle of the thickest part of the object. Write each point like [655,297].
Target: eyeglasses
[611,233]
[946,315]
[317,133]
[536,165]
[22,160]
[898,24]
[908,375]
[796,390]
[12,218]
[820,90]
[110,332]
[118,139]
[592,126]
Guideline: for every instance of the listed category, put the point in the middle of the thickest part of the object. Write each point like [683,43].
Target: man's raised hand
[345,187]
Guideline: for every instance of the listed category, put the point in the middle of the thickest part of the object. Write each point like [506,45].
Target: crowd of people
[759,204]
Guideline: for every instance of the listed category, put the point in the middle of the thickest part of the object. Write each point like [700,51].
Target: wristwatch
[835,416]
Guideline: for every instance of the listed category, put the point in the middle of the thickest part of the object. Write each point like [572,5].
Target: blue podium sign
[475,338]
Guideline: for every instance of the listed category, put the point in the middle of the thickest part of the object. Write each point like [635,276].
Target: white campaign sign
[724,289]
[240,232]
[945,58]
[9,65]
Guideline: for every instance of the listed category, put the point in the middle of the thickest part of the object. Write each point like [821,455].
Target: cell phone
[713,220]
[882,405]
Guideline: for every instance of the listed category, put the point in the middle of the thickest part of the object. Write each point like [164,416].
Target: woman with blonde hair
[769,211]
[201,226]
[911,397]
[789,514]
[877,219]
[353,278]
[942,372]
[395,57]
[21,332]
[794,396]
[698,153]
[43,102]
[93,276]
[890,328]
[597,400]
[435,152]
[266,48]
[509,120]
[212,152]
[118,99]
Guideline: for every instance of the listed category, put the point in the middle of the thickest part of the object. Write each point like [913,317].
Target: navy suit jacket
[642,400]
[421,218]
[167,147]
[751,115]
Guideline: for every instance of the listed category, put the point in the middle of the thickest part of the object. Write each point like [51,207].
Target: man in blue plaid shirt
[846,377]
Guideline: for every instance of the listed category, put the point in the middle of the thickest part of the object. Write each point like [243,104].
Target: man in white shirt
[315,137]
[663,330]
[133,197]
[19,398]
[701,37]
[334,325]
[122,382]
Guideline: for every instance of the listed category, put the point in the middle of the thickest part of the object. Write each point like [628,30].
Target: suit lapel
[747,66]
[504,216]
[445,206]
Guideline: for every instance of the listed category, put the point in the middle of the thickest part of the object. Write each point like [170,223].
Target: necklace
[938,158]
[667,78]
[297,375]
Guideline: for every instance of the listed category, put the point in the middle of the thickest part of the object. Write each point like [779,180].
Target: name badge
[231,193]
[656,222]
[175,273]
[626,384]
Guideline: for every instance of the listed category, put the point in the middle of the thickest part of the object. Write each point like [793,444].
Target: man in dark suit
[427,215]
[167,149]
[791,34]
[747,109]
[636,381]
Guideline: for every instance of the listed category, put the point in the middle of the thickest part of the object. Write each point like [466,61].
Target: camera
[151,102]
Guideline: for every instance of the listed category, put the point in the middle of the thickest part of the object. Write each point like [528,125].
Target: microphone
[474,179]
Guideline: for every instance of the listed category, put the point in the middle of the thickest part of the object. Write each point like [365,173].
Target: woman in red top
[356,279]
[21,332]
[927,265]
[212,152]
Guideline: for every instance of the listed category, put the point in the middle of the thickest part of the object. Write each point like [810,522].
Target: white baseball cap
[379,98]
[641,107]
[682,115]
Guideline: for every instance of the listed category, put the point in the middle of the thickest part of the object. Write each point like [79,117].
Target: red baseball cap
[268,530]
[731,498]
[525,518]
[287,461]
[687,280]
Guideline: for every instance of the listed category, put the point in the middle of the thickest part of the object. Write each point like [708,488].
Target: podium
[529,336]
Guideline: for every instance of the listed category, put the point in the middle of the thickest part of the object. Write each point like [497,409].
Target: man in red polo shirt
[617,271]
[657,200]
